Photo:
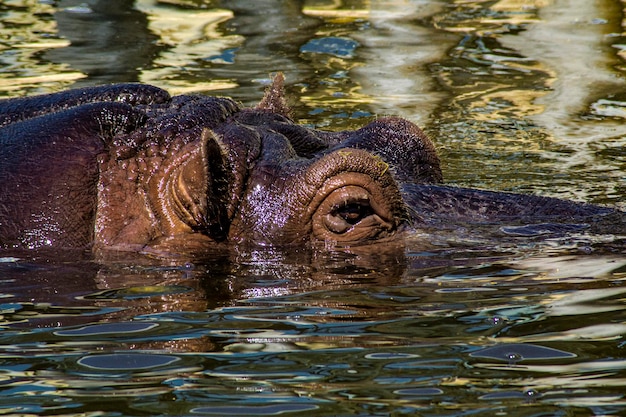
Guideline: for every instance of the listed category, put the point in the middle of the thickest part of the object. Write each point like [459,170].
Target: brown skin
[256,187]
[35,196]
[128,168]
[160,181]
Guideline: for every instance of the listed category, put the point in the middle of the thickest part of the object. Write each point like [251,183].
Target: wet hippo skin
[129,167]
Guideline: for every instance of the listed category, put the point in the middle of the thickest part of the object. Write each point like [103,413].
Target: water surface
[519,95]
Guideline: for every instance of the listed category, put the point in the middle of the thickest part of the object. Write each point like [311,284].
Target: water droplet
[531,394]
[514,357]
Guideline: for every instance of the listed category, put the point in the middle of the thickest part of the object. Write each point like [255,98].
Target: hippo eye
[353,213]
[354,199]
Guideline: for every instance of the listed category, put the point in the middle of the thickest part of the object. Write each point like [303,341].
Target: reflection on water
[518,95]
[123,46]
[334,335]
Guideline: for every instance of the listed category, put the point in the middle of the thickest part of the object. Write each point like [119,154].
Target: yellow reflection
[16,84]
[563,267]
[191,34]
[336,10]
[327,98]
[571,40]
[27,31]
[521,103]
[505,13]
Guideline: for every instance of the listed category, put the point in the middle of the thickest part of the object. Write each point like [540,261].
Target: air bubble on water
[514,357]
[531,394]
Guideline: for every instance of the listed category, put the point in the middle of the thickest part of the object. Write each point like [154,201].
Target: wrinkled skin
[128,167]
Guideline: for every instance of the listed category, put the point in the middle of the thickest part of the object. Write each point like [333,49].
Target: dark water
[519,95]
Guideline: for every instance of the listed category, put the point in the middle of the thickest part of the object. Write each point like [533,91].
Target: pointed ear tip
[274,98]
[208,135]
[276,88]
[278,77]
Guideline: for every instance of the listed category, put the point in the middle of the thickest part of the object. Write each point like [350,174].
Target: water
[519,95]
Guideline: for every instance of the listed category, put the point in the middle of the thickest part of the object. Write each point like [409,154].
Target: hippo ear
[201,191]
[274,98]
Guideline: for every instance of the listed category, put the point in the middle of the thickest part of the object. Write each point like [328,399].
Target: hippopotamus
[129,167]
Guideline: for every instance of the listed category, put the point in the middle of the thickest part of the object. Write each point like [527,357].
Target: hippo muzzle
[346,195]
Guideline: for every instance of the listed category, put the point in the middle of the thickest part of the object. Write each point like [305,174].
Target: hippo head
[129,167]
[204,170]
[344,194]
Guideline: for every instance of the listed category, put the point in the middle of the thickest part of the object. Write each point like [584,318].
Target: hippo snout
[355,198]
[345,196]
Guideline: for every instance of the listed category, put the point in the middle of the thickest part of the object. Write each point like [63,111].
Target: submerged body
[129,167]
